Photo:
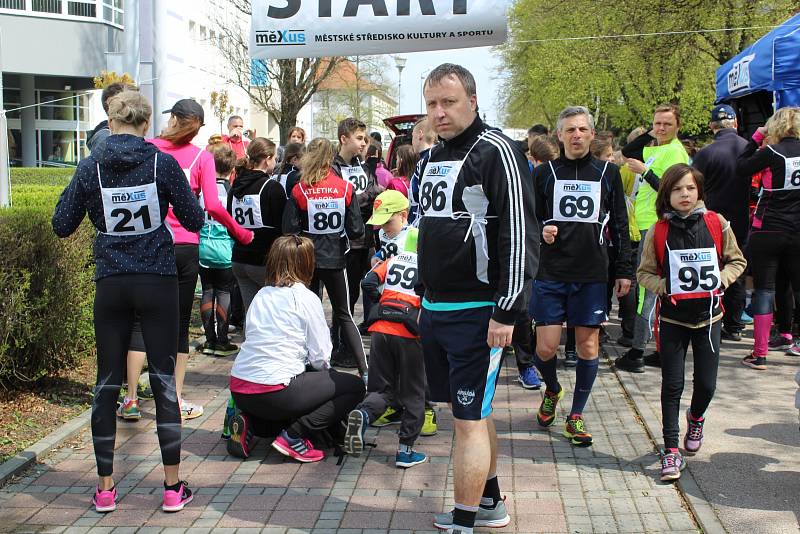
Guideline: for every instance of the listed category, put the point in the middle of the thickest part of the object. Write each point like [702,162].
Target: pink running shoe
[174,501]
[693,439]
[298,448]
[105,500]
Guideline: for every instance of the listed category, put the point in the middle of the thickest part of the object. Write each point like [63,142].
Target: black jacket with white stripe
[580,251]
[489,246]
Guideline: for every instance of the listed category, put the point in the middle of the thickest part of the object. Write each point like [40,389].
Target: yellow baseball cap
[387,204]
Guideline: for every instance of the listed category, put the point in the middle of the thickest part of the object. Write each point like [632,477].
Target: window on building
[12,4]
[82,8]
[46,6]
[113,11]
[192,28]
[202,33]
[54,107]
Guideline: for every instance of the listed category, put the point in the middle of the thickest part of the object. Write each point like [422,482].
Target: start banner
[284,29]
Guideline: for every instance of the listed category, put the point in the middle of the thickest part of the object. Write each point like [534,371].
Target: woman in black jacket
[256,202]
[126,189]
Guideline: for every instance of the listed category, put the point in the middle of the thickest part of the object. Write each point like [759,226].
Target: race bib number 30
[693,271]
[576,201]
[357,177]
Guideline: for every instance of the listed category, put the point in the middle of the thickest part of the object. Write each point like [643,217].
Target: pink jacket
[383,175]
[203,177]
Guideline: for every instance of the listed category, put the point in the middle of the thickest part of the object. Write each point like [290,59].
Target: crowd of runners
[473,246]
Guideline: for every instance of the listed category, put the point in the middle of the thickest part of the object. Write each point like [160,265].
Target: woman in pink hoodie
[184,123]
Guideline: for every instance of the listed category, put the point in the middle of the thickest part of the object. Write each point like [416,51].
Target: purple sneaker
[105,500]
[174,501]
[672,464]
[693,439]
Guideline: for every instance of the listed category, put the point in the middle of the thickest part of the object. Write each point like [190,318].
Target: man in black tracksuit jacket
[729,195]
[581,205]
[478,244]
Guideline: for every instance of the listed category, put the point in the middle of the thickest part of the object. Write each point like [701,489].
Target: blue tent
[770,64]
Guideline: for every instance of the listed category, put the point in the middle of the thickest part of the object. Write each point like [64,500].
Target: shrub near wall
[46,283]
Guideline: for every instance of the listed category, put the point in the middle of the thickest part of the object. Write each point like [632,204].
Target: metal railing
[106,11]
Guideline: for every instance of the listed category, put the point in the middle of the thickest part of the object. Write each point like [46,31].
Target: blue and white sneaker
[409,459]
[357,423]
[529,379]
[746,319]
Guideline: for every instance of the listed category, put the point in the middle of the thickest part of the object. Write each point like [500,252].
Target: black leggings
[336,285]
[769,252]
[674,343]
[187,259]
[313,401]
[216,302]
[154,299]
[357,268]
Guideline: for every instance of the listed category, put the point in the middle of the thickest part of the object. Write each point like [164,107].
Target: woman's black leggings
[768,252]
[187,260]
[154,299]
[313,401]
[675,341]
[335,282]
[216,302]
[787,310]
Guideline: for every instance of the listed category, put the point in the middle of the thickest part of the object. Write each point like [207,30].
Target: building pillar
[28,120]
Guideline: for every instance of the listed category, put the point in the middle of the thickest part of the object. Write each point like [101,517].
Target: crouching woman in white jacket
[286,330]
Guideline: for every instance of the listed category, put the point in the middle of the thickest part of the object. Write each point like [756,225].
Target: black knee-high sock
[548,371]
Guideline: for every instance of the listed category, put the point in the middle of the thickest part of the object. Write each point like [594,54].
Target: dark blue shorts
[460,366]
[579,304]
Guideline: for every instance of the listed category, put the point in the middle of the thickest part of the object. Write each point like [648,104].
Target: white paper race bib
[437,187]
[247,211]
[693,271]
[576,201]
[356,176]
[792,179]
[130,211]
[223,199]
[401,275]
[326,216]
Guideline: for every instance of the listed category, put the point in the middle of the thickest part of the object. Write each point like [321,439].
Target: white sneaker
[190,410]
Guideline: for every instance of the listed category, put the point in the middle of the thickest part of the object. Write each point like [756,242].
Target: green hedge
[40,176]
[45,283]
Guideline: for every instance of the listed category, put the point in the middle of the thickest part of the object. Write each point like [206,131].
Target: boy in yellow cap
[396,364]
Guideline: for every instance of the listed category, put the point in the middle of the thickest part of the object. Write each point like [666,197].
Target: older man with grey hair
[580,203]
[728,195]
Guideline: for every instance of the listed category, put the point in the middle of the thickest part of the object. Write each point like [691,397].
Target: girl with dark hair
[688,258]
[256,202]
[286,331]
[289,173]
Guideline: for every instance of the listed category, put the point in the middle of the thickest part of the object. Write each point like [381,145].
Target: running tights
[215,303]
[154,299]
[675,341]
[336,285]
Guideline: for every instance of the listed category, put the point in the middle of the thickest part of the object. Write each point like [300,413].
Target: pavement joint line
[688,488]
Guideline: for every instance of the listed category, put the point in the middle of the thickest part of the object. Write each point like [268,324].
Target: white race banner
[283,29]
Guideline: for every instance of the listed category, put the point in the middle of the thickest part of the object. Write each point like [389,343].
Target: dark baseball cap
[722,112]
[187,107]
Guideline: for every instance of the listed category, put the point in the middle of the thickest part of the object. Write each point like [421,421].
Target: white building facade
[51,49]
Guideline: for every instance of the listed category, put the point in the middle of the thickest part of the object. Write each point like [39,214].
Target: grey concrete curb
[32,454]
[702,510]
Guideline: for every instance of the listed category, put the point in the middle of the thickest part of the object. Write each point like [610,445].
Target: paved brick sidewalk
[551,486]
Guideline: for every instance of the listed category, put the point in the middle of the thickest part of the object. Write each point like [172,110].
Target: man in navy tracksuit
[730,196]
[478,244]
